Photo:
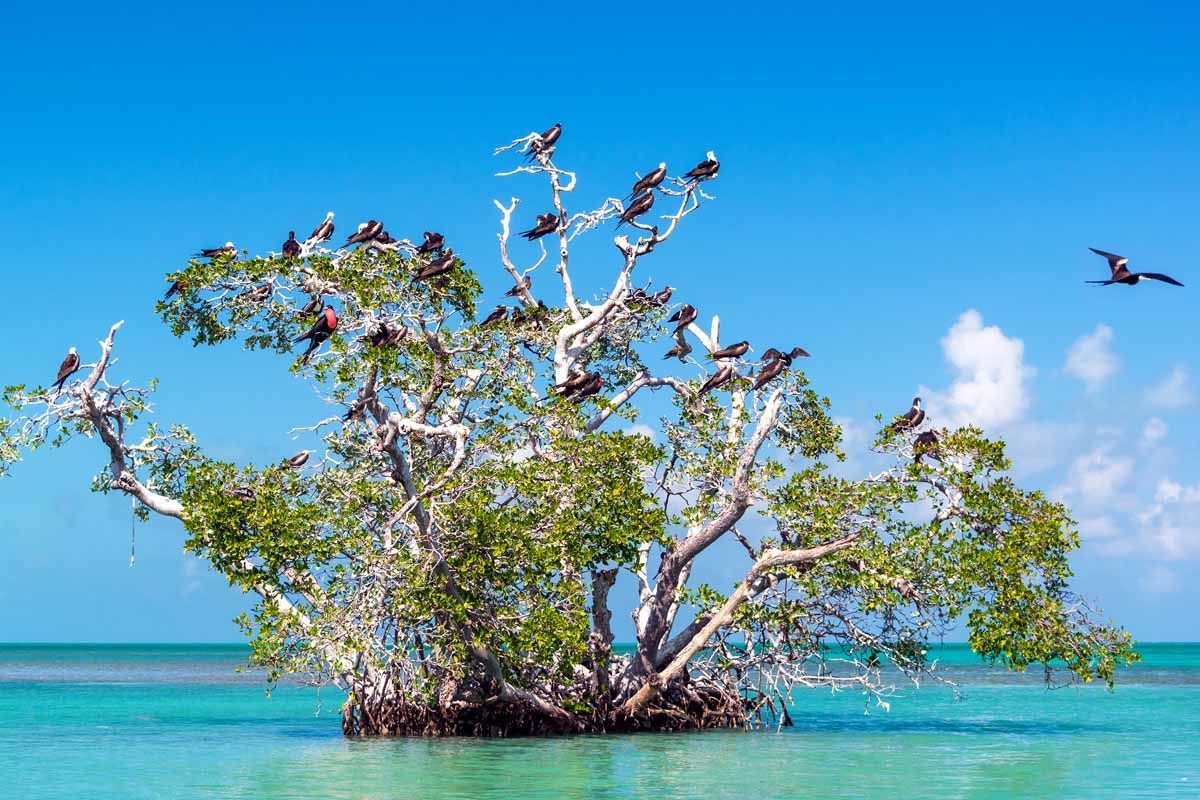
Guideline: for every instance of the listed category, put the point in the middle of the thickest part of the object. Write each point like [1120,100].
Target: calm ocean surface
[177,721]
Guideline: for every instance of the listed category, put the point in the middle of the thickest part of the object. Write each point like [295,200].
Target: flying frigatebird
[366,232]
[640,205]
[685,316]
[522,286]
[546,224]
[291,248]
[323,232]
[433,241]
[545,142]
[1121,274]
[499,314]
[439,266]
[721,377]
[224,250]
[732,351]
[650,181]
[705,170]
[914,417]
[321,330]
[68,367]
[299,460]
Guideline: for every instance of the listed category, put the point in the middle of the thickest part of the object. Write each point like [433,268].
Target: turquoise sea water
[176,721]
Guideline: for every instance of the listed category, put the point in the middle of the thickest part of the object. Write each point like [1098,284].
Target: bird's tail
[1101,283]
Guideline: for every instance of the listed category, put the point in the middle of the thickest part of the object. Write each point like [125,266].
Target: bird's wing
[1115,261]
[66,367]
[1158,276]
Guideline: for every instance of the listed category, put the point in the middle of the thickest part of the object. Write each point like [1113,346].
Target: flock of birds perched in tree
[580,384]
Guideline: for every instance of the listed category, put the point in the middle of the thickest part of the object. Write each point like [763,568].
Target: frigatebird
[768,373]
[291,248]
[650,181]
[685,316]
[545,142]
[433,241]
[722,376]
[1121,274]
[732,351]
[173,289]
[439,266]
[705,170]
[366,232]
[321,330]
[662,297]
[914,417]
[385,336]
[771,354]
[546,224]
[680,350]
[313,306]
[226,250]
[299,460]
[926,444]
[640,205]
[324,231]
[575,379]
[593,386]
[499,314]
[258,293]
[522,286]
[245,493]
[68,367]
[385,238]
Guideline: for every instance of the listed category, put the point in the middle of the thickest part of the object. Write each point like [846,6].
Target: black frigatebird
[721,377]
[575,379]
[258,293]
[771,354]
[68,367]
[439,266]
[594,384]
[522,286]
[224,250]
[640,205]
[324,231]
[499,313]
[926,444]
[680,350]
[173,289]
[433,241]
[299,460]
[1121,274]
[385,238]
[705,170]
[313,306]
[321,330]
[663,297]
[732,351]
[650,181]
[545,142]
[685,316]
[914,417]
[768,373]
[291,248]
[546,224]
[366,232]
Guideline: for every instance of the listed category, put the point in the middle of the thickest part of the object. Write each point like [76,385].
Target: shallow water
[177,721]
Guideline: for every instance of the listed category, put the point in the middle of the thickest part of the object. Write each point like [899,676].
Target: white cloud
[991,379]
[1171,525]
[1159,579]
[1096,480]
[1154,431]
[1173,391]
[1091,358]
[642,429]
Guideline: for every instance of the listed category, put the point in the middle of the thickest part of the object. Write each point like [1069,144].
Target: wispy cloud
[1091,358]
[1173,391]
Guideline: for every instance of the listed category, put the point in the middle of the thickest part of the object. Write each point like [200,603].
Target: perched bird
[245,493]
[522,286]
[499,314]
[663,297]
[258,293]
[768,373]
[705,170]
[1121,274]
[385,238]
[640,205]
[173,289]
[914,417]
[685,316]
[291,248]
[732,351]
[68,367]
[299,460]
[546,224]
[366,232]
[356,410]
[771,354]
[323,232]
[321,330]
[313,306]
[439,266]
[594,384]
[226,250]
[575,379]
[386,336]
[546,141]
[433,241]
[650,181]
[926,444]
[721,377]
[680,350]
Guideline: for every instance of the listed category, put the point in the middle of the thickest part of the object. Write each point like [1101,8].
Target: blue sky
[910,196]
